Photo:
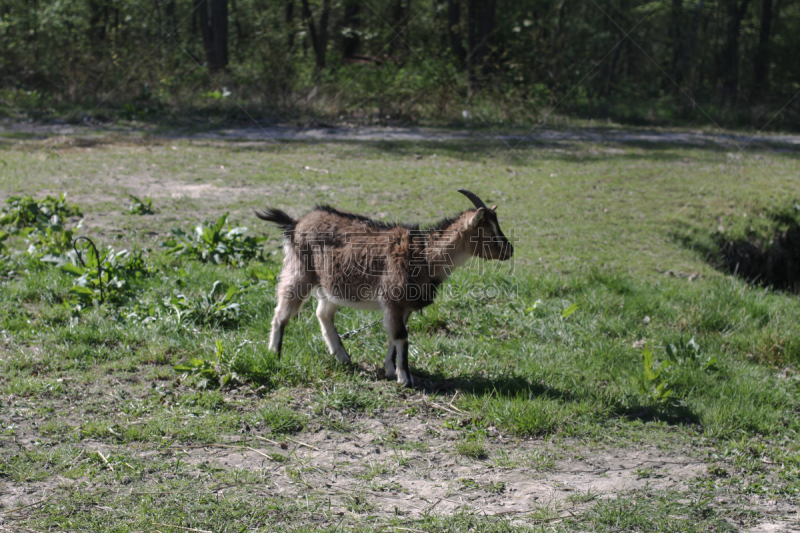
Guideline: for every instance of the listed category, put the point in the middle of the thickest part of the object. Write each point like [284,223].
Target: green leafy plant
[41,223]
[534,308]
[646,473]
[5,265]
[241,366]
[263,273]
[689,354]
[653,380]
[470,484]
[105,278]
[24,211]
[50,242]
[206,373]
[566,313]
[257,365]
[213,243]
[141,207]
[145,311]
[211,308]
[495,487]
[5,262]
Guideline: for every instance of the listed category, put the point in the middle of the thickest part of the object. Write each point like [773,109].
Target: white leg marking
[326,310]
[403,377]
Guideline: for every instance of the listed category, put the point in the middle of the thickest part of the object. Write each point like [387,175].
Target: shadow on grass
[513,388]
[767,255]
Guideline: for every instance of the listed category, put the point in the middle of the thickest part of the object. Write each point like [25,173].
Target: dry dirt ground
[392,463]
[408,464]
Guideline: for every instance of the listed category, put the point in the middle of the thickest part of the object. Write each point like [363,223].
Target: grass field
[609,379]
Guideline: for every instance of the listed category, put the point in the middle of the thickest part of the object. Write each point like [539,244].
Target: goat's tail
[281,218]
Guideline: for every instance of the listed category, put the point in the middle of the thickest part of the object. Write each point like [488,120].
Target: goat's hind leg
[290,299]
[326,310]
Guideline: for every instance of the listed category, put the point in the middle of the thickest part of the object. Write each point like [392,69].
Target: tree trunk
[323,30]
[172,16]
[98,20]
[612,67]
[290,23]
[352,22]
[484,30]
[472,8]
[454,31]
[213,16]
[193,27]
[399,24]
[677,24]
[763,52]
[694,30]
[729,63]
[319,40]
[159,25]
[33,37]
[241,33]
[480,25]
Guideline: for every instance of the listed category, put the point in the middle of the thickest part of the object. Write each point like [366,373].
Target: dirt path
[733,140]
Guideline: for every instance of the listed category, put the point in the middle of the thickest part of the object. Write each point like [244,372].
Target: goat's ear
[493,208]
[476,218]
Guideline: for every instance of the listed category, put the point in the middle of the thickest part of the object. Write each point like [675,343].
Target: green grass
[598,233]
[474,448]
[281,419]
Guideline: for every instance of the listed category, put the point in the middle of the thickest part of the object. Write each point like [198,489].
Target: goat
[348,260]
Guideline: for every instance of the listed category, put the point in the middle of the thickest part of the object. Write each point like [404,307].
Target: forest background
[728,63]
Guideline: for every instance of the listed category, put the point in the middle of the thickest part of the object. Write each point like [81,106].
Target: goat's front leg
[396,363]
[326,310]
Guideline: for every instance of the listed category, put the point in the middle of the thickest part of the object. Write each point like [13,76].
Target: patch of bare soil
[215,195]
[391,464]
[420,472]
[395,464]
[147,185]
[776,526]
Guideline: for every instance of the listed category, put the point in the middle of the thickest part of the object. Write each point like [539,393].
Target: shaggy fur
[348,260]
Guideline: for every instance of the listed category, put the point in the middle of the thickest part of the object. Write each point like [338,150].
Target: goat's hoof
[344,359]
[409,383]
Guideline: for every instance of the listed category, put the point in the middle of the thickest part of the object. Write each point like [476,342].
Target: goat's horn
[474,197]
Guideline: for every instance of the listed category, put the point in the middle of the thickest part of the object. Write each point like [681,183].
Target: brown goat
[348,260]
